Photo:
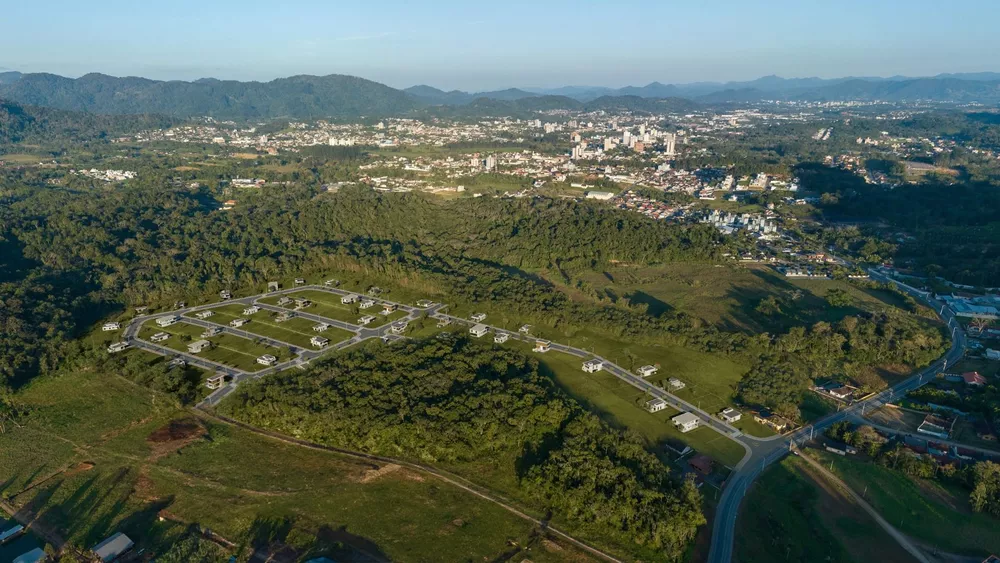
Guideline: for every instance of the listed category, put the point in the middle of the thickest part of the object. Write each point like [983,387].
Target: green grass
[296,331]
[235,482]
[935,513]
[791,514]
[622,405]
[227,349]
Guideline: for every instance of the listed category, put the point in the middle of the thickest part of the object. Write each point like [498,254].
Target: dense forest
[20,123]
[483,409]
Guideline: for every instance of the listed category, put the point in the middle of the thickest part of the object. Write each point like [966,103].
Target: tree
[837,297]
[985,496]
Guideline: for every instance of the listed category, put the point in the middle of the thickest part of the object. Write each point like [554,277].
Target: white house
[253,309]
[216,381]
[302,303]
[284,300]
[675,384]
[321,327]
[686,422]
[159,337]
[366,303]
[331,283]
[204,314]
[478,317]
[646,371]
[367,319]
[319,341]
[603,196]
[398,327]
[225,294]
[282,317]
[300,281]
[117,347]
[590,366]
[656,405]
[237,323]
[167,321]
[542,346]
[348,299]
[443,322]
[199,346]
[211,331]
[501,337]
[267,360]
[479,330]
[525,329]
[730,415]
[111,326]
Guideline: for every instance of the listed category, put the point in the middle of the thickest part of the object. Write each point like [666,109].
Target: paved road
[994,453]
[763,453]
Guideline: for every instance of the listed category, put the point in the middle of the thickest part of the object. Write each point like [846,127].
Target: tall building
[609,143]
[670,143]
[490,163]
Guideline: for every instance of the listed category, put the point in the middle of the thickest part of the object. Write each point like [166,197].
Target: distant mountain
[434,96]
[296,96]
[28,123]
[10,77]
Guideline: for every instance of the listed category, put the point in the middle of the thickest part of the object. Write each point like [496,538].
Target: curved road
[762,453]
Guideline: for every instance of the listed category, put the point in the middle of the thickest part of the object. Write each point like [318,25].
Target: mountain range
[341,96]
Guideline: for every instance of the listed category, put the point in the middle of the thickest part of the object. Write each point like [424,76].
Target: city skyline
[453,45]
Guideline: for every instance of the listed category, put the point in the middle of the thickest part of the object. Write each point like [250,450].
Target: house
[216,381]
[374,290]
[273,286]
[251,310]
[366,303]
[10,534]
[267,360]
[424,303]
[321,327]
[839,448]
[730,415]
[284,300]
[331,283]
[117,347]
[686,421]
[211,331]
[773,421]
[935,426]
[167,321]
[992,354]
[282,317]
[501,337]
[225,295]
[478,317]
[590,366]
[656,405]
[701,463]
[319,341]
[113,547]
[36,555]
[479,330]
[367,319]
[646,371]
[111,326]
[443,322]
[159,337]
[204,314]
[542,346]
[675,384]
[525,329]
[177,363]
[302,303]
[180,304]
[199,346]
[841,392]
[300,281]
[237,323]
[388,308]
[973,378]
[348,299]
[398,327]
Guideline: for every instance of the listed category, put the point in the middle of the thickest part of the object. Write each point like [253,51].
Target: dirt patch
[373,474]
[174,435]
[80,468]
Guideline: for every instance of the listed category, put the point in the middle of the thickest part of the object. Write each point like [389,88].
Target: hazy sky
[486,45]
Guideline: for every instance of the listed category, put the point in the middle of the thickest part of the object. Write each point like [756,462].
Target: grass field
[226,349]
[329,305]
[936,514]
[794,514]
[85,463]
[297,331]
[622,405]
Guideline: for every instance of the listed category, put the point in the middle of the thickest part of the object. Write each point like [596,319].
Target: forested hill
[296,96]
[27,123]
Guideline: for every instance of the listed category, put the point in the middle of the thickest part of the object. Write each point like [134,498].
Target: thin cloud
[369,37]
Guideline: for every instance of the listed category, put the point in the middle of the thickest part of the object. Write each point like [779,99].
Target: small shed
[113,547]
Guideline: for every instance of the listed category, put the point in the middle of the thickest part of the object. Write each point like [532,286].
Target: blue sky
[486,45]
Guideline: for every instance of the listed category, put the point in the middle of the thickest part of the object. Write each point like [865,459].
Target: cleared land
[793,513]
[99,455]
[297,331]
[226,348]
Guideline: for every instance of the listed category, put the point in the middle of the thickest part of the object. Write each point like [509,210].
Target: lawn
[935,513]
[622,406]
[296,331]
[85,464]
[226,348]
[792,513]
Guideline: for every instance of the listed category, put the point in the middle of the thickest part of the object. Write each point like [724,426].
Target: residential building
[501,337]
[111,326]
[656,405]
[321,327]
[301,303]
[367,319]
[348,299]
[366,303]
[841,392]
[773,421]
[117,347]
[216,381]
[479,330]
[542,346]
[525,329]
[204,314]
[478,317]
[167,321]
[211,331]
[300,281]
[973,378]
[267,360]
[591,366]
[936,426]
[199,346]
[284,300]
[237,323]
[36,555]
[443,322]
[113,547]
[15,531]
[398,327]
[251,310]
[388,308]
[159,337]
[601,196]
[675,384]
[686,421]
[319,341]
[331,283]
[225,295]
[646,371]
[730,415]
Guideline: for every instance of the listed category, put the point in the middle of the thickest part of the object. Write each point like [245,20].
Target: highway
[762,453]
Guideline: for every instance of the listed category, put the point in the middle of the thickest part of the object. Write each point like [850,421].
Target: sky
[477,46]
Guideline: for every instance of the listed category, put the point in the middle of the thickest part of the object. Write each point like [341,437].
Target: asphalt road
[763,453]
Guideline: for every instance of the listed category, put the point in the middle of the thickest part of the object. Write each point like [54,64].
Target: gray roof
[33,556]
[112,547]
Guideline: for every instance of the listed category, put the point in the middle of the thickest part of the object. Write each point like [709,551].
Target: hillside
[22,123]
[296,96]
